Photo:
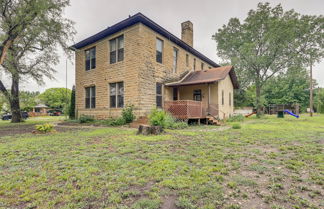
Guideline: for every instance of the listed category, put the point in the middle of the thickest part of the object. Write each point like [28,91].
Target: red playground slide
[248,115]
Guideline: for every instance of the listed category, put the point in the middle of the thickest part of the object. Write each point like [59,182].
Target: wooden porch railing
[185,109]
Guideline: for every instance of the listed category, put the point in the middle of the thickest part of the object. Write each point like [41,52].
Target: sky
[92,16]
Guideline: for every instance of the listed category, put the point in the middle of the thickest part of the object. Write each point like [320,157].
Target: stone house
[137,62]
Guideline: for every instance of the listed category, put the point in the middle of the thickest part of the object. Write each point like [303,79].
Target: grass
[33,120]
[274,162]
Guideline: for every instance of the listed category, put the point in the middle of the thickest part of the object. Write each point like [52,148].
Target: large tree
[56,98]
[288,88]
[33,55]
[268,42]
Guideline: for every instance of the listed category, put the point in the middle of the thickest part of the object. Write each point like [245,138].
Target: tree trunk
[14,101]
[258,97]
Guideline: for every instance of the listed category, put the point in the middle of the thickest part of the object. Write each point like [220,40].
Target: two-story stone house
[138,62]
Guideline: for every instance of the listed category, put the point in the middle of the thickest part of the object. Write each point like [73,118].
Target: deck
[190,109]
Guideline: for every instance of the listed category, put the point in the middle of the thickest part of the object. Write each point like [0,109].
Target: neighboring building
[138,62]
[39,110]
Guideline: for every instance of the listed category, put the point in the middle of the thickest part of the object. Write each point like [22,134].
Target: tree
[72,104]
[288,88]
[34,54]
[28,100]
[56,98]
[267,43]
[319,100]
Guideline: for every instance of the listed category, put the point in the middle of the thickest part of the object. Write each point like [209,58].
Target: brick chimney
[187,32]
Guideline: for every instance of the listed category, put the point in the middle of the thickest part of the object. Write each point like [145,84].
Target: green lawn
[268,163]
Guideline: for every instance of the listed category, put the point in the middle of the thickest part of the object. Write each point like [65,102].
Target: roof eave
[140,18]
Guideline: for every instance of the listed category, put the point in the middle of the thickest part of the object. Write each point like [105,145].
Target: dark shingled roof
[207,76]
[140,18]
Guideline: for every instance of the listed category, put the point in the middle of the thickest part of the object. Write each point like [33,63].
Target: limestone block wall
[226,109]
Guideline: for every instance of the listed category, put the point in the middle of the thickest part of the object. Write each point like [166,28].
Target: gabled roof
[41,106]
[207,76]
[140,18]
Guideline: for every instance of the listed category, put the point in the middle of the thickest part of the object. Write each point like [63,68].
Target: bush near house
[165,120]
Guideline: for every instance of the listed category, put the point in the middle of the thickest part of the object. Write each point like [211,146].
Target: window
[90,58]
[116,94]
[230,99]
[159,50]
[159,95]
[187,60]
[222,97]
[197,95]
[175,59]
[194,64]
[202,66]
[90,98]
[116,49]
[209,67]
[175,93]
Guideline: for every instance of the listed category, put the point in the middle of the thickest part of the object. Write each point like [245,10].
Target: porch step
[212,120]
[143,120]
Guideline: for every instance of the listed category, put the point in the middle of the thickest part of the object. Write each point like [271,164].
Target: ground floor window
[90,98]
[159,95]
[116,94]
[197,95]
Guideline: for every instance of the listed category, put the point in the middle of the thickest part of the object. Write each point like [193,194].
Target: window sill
[116,63]
[90,70]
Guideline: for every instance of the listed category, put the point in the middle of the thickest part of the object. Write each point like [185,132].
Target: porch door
[175,94]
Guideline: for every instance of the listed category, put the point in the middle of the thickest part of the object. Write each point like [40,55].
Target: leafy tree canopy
[268,42]
[56,97]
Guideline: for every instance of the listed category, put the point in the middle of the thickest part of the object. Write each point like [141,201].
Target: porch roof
[207,76]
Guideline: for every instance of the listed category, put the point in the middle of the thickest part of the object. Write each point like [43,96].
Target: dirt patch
[169,202]
[29,128]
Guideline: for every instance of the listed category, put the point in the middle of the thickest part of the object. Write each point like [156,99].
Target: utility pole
[66,90]
[311,90]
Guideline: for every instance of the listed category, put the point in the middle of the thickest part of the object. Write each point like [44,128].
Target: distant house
[138,62]
[39,110]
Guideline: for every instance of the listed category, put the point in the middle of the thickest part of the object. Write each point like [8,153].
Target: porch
[190,109]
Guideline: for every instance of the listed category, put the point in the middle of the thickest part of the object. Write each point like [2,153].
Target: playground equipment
[290,113]
[248,115]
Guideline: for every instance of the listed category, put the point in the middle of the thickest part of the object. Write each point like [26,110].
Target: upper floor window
[202,66]
[159,95]
[90,97]
[90,58]
[187,60]
[116,49]
[116,94]
[175,59]
[159,50]
[194,64]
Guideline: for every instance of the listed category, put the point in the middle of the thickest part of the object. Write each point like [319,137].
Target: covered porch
[192,101]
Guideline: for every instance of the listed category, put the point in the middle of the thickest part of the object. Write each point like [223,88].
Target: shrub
[178,125]
[236,126]
[164,119]
[128,114]
[45,128]
[86,119]
[236,118]
[158,118]
[115,121]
